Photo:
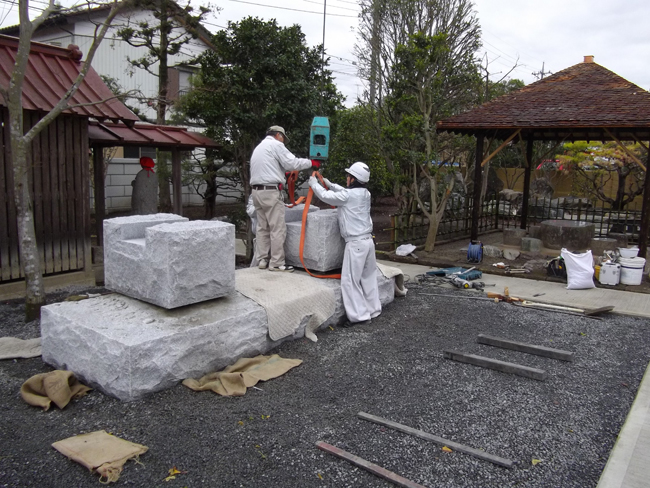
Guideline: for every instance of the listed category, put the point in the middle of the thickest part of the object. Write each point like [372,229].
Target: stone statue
[144,200]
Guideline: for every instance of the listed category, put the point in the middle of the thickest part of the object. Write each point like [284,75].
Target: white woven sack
[579,270]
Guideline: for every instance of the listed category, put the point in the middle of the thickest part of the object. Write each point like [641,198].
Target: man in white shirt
[269,162]
[359,271]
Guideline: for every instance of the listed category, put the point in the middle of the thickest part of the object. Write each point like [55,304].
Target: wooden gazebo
[585,102]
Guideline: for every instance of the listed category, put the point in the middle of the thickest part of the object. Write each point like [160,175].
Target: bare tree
[20,142]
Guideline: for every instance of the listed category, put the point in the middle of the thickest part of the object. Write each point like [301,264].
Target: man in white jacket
[358,275]
[269,161]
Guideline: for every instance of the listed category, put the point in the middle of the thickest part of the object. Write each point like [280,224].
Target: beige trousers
[271,227]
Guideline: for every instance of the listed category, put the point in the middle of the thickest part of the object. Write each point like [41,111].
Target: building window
[134,152]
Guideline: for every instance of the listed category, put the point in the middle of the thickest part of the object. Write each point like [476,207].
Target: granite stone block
[169,264]
[128,348]
[324,246]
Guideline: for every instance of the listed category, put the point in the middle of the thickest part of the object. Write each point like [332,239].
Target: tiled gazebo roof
[583,102]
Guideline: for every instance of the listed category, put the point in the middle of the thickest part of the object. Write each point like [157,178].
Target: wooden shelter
[59,160]
[585,102]
[164,137]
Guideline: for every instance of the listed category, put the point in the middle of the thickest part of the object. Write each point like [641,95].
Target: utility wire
[293,9]
[333,6]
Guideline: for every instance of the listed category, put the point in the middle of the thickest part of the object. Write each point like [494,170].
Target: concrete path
[625,303]
[627,466]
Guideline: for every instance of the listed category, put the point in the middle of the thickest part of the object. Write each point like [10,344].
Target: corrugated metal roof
[51,71]
[579,101]
[161,136]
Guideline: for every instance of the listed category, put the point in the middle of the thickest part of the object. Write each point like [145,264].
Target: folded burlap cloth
[12,348]
[100,452]
[246,372]
[56,386]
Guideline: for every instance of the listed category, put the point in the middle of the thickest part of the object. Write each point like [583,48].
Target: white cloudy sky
[555,33]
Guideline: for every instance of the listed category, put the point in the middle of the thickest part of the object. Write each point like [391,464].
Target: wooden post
[176,182]
[100,198]
[645,217]
[527,173]
[478,180]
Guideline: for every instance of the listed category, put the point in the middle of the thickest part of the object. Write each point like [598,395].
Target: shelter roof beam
[627,151]
[498,149]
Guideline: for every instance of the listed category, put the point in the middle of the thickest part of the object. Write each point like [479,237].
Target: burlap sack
[100,452]
[246,372]
[56,386]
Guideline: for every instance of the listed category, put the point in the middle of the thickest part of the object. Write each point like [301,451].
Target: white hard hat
[360,171]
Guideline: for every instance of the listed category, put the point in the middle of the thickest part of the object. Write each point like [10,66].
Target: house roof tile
[50,73]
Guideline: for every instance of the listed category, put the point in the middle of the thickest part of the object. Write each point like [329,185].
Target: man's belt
[264,187]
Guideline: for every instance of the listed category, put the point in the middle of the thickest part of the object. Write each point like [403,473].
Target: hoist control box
[320,138]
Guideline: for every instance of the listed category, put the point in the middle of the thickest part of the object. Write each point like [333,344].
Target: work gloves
[315,164]
[313,181]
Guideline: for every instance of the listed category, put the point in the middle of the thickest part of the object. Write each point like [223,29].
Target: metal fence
[606,220]
[496,213]
[456,223]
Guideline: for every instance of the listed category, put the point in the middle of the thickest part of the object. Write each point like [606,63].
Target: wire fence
[456,222]
[497,214]
[606,220]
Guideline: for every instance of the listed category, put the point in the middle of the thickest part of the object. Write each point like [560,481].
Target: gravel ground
[392,368]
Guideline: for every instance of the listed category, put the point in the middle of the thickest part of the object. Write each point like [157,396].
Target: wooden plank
[56,152]
[84,192]
[14,253]
[70,192]
[368,466]
[454,446]
[63,201]
[46,196]
[79,184]
[36,171]
[546,352]
[503,366]
[5,269]
[100,200]
[177,182]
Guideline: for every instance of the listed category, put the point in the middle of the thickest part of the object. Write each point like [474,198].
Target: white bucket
[631,270]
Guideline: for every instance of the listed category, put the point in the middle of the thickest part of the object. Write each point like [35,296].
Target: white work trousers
[271,226]
[359,281]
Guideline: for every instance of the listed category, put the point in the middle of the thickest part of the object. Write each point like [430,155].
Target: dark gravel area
[392,368]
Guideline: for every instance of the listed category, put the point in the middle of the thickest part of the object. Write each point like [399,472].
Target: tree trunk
[29,258]
[164,173]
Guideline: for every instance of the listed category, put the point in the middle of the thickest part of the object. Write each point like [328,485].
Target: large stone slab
[294,214]
[169,264]
[570,234]
[324,246]
[128,348]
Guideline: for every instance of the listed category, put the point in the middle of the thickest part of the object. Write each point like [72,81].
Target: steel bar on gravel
[546,352]
[489,363]
[454,446]
[368,466]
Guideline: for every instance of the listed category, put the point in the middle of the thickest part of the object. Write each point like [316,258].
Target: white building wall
[111,59]
[118,189]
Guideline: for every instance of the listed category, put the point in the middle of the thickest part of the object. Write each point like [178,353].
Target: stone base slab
[128,348]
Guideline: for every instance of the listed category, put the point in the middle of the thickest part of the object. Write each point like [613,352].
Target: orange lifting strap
[305,212]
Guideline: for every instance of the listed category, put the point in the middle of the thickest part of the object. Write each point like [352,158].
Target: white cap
[360,171]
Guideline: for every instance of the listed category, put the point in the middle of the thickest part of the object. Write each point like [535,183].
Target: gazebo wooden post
[478,183]
[645,217]
[100,198]
[176,182]
[527,173]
